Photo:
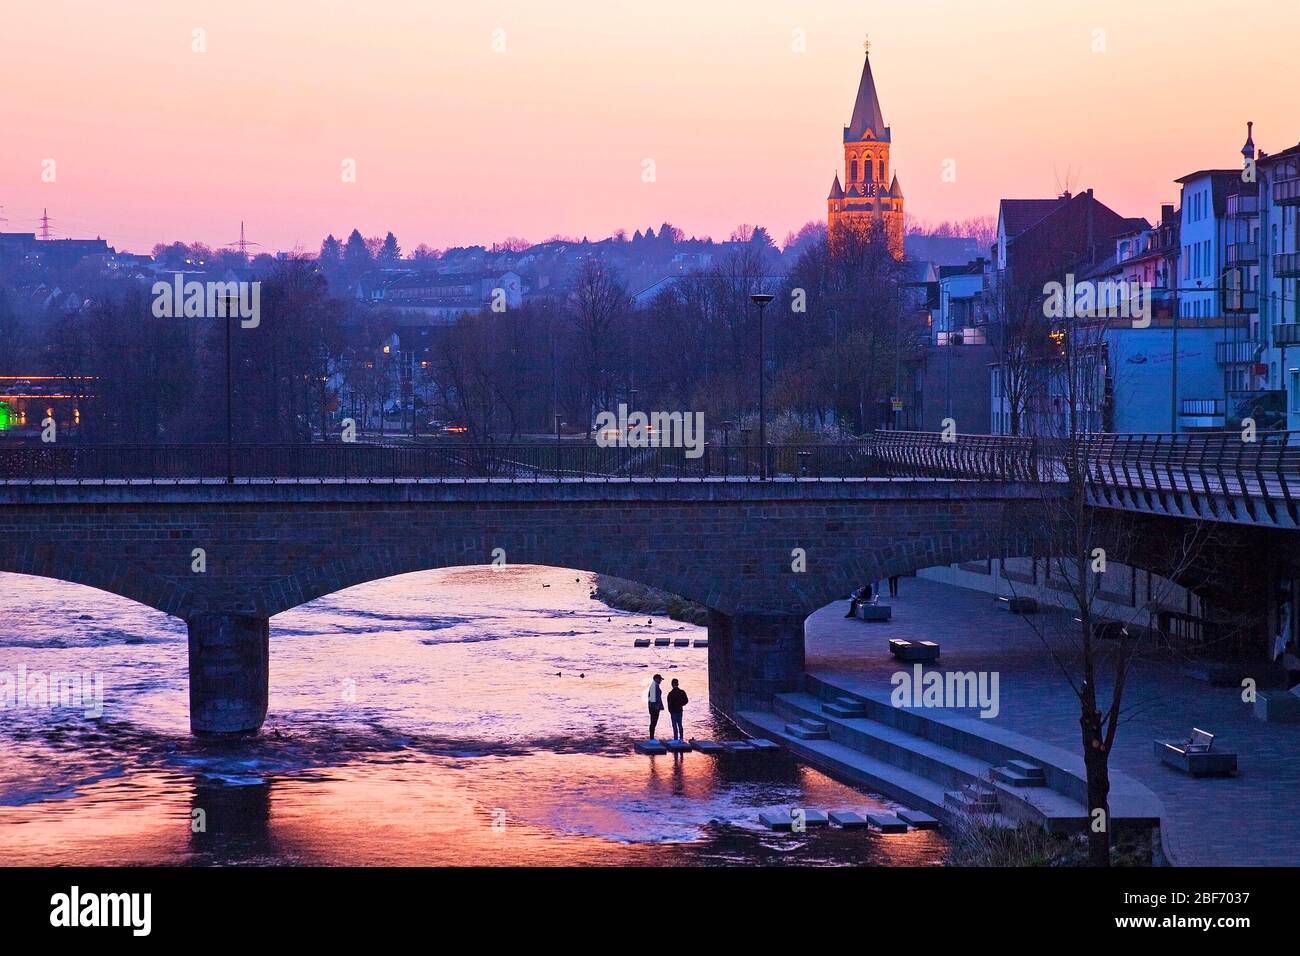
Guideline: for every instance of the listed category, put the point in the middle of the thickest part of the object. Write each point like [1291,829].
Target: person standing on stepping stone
[676,701]
[655,696]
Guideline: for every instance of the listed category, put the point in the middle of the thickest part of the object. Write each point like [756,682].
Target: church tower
[868,194]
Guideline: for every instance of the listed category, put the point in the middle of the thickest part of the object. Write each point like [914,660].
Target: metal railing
[342,462]
[1207,474]
[1190,473]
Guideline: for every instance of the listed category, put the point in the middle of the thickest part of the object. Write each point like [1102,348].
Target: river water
[468,716]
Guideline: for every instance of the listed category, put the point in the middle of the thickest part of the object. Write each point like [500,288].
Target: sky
[469,122]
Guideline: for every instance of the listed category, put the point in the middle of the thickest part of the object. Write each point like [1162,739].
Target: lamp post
[726,446]
[230,408]
[761,299]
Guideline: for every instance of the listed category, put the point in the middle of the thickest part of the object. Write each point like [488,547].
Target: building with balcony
[1279,272]
[953,372]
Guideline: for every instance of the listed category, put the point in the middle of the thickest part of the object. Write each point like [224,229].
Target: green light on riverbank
[4,417]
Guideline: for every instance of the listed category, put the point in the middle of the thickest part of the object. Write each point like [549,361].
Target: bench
[1196,755]
[1020,605]
[913,651]
[1277,707]
[874,612]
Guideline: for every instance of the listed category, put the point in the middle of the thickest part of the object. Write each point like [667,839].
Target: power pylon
[243,244]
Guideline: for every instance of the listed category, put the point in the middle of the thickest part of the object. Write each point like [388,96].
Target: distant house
[441,297]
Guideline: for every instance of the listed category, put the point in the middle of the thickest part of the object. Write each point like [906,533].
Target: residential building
[1279,274]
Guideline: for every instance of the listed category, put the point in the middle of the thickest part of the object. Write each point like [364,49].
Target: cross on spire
[866,44]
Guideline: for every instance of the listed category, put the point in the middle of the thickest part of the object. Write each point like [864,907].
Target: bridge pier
[753,656]
[229,672]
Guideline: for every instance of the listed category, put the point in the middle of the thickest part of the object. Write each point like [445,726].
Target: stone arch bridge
[268,547]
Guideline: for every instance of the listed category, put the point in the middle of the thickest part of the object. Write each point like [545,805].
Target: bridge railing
[1220,464]
[337,461]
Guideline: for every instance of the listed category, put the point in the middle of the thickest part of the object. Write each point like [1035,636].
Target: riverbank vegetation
[631,596]
[982,844]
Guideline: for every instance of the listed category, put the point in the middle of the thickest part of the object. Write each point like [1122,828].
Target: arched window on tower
[881,177]
[866,166]
[853,170]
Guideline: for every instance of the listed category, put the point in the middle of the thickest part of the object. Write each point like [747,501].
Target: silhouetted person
[893,585]
[655,697]
[676,701]
[859,597]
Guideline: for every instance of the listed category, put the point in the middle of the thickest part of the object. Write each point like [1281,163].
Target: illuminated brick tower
[865,197]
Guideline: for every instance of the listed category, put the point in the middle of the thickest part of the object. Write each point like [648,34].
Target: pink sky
[457,144]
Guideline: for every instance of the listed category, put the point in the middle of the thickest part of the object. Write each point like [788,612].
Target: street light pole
[230,412]
[761,299]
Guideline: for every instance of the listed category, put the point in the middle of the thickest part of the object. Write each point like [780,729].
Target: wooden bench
[914,651]
[1196,755]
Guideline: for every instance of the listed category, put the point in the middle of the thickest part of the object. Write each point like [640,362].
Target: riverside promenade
[1250,819]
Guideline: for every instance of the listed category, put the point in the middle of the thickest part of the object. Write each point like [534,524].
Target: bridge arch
[759,556]
[81,565]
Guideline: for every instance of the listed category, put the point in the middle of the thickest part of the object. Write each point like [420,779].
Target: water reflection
[465,716]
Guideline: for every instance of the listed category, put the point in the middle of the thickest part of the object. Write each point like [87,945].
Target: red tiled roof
[1019,214]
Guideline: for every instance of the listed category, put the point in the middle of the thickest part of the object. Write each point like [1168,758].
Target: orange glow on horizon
[457,144]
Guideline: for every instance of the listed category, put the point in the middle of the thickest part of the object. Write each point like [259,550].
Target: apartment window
[1293,391]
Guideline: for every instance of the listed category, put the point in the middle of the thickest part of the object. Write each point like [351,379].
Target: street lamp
[727,426]
[761,299]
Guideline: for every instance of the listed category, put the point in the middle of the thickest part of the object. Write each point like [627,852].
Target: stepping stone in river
[663,641]
[707,746]
[701,642]
[682,642]
[815,818]
[847,819]
[887,823]
[776,821]
[737,746]
[762,743]
[650,747]
[641,642]
[676,746]
[922,821]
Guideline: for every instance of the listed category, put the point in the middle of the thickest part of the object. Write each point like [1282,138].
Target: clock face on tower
[870,189]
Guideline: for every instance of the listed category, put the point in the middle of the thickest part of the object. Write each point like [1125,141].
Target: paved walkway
[1251,819]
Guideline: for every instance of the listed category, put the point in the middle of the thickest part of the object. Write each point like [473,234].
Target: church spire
[866,108]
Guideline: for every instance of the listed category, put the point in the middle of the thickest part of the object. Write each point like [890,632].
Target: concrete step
[1014,778]
[836,709]
[948,768]
[1064,792]
[1028,769]
[962,801]
[849,764]
[803,733]
[812,723]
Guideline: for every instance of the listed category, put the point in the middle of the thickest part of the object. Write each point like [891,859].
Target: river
[468,716]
